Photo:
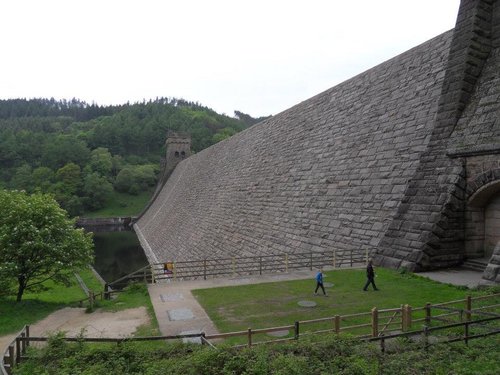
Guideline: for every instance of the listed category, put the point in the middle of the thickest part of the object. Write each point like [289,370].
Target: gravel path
[97,324]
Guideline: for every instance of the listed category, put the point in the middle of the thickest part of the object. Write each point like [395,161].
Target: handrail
[130,274]
[255,264]
[13,351]
[18,345]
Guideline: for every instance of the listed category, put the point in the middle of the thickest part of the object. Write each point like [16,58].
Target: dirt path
[97,324]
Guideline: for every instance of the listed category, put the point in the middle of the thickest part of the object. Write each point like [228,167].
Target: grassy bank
[120,204]
[35,306]
[266,305]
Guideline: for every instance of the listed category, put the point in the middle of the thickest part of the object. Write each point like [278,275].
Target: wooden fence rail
[372,326]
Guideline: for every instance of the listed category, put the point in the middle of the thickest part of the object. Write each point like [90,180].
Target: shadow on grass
[14,315]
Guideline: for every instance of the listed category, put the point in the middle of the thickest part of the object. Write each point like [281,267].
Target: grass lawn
[266,305]
[36,306]
[121,204]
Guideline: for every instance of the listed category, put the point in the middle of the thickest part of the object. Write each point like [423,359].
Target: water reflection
[117,254]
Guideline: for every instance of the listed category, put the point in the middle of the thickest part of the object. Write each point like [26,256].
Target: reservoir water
[117,254]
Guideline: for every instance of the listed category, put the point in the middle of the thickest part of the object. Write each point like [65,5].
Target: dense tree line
[81,153]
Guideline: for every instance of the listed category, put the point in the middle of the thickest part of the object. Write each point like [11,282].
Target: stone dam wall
[402,160]
[328,173]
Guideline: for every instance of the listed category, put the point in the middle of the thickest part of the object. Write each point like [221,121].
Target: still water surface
[117,254]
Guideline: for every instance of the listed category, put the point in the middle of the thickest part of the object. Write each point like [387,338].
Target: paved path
[178,312]
[457,276]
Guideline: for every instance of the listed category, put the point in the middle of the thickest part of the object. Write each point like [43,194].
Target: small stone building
[402,160]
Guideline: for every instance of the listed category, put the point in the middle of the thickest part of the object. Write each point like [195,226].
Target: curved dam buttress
[351,168]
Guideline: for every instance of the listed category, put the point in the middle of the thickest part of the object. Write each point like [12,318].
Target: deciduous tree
[38,242]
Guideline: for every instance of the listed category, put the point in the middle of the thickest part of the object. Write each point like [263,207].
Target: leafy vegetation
[83,153]
[333,355]
[38,242]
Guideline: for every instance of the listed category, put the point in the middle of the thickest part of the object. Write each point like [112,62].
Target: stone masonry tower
[178,148]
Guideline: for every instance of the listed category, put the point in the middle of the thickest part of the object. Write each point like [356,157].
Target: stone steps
[476,264]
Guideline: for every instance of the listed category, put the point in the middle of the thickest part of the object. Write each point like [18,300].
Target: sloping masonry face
[402,160]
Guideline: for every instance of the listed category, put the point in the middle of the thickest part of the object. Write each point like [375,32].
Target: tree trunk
[22,285]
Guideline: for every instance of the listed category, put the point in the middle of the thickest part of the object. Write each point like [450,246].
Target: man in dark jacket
[370,275]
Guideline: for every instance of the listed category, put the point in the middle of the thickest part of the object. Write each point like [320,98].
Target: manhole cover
[307,303]
[193,340]
[180,314]
[171,297]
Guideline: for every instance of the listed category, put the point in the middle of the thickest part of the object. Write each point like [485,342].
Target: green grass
[121,204]
[35,306]
[91,280]
[266,305]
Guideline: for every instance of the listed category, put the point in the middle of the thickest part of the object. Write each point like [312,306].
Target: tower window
[176,154]
[183,154]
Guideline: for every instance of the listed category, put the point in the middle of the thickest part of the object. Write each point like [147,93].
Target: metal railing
[242,266]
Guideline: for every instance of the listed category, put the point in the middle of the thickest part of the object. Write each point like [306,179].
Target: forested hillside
[83,153]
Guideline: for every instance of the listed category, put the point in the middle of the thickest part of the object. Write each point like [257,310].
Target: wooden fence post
[334,258]
[337,323]
[91,299]
[403,318]
[466,333]
[11,357]
[233,265]
[23,343]
[374,322]
[408,317]
[427,313]
[249,337]
[286,262]
[260,265]
[296,330]
[426,337]
[174,270]
[468,307]
[311,259]
[106,292]
[351,259]
[204,269]
[28,335]
[153,278]
[18,350]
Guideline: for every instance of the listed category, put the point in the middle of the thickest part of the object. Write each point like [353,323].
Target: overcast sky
[256,56]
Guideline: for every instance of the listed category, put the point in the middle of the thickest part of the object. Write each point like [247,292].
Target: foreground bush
[334,355]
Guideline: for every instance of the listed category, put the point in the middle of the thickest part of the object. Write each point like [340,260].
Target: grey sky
[259,57]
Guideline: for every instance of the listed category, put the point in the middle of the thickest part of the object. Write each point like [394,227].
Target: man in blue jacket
[319,282]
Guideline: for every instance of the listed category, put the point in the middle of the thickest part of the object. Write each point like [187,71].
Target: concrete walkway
[457,276]
[178,312]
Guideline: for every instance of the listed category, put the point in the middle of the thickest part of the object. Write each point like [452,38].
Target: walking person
[370,275]
[319,282]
